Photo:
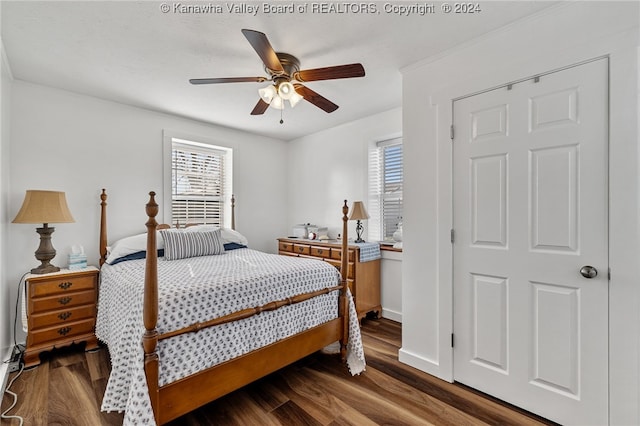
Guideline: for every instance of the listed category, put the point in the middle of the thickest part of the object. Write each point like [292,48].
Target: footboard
[182,396]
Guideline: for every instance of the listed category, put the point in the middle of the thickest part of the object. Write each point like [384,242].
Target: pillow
[228,235]
[130,245]
[135,256]
[179,244]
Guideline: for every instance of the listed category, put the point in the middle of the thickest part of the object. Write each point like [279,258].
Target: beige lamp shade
[358,212]
[44,207]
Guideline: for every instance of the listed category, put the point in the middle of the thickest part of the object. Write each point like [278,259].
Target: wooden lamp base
[45,251]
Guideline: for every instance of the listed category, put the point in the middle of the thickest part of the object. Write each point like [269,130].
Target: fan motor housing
[290,63]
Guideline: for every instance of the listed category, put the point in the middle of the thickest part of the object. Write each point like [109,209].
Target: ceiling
[133,53]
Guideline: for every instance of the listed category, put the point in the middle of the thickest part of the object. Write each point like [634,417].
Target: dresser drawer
[62,301]
[337,254]
[301,249]
[284,246]
[62,331]
[324,252]
[62,316]
[62,284]
[350,267]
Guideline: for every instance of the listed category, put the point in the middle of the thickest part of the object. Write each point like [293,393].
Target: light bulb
[277,102]
[267,93]
[295,98]
[286,90]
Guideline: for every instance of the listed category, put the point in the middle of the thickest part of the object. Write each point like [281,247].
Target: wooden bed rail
[249,312]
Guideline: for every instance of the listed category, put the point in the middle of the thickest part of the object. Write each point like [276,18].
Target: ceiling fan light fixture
[277,102]
[286,90]
[295,98]
[268,93]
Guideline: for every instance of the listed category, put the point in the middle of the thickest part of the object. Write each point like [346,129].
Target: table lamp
[358,213]
[44,207]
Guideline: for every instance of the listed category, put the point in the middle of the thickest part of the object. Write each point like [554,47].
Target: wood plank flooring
[66,389]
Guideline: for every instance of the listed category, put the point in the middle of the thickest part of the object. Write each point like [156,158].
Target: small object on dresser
[77,258]
[300,231]
[77,261]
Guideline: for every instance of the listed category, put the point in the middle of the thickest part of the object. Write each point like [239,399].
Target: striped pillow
[180,245]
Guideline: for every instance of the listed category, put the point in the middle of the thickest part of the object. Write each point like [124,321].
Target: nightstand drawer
[62,301]
[67,284]
[62,331]
[301,248]
[63,316]
[320,251]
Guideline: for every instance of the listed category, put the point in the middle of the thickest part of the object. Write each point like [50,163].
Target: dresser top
[321,243]
[63,272]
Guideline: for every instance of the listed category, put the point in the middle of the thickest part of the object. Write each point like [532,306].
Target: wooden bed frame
[182,396]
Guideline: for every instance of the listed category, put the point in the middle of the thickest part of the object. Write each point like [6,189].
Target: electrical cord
[15,318]
[20,349]
[15,398]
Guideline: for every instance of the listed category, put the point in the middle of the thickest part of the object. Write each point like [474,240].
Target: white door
[530,212]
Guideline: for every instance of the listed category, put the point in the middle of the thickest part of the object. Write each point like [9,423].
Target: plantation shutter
[385,188]
[197,184]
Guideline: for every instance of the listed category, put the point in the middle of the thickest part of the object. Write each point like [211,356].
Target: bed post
[233,211]
[103,227]
[150,312]
[343,308]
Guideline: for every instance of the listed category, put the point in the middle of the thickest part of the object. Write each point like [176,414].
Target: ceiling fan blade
[261,45]
[227,80]
[260,108]
[316,99]
[330,73]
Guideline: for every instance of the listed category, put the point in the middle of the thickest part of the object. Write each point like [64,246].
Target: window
[385,188]
[200,183]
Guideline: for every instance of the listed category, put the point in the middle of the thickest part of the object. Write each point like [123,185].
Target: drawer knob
[64,300]
[64,330]
[320,251]
[63,316]
[300,249]
[65,285]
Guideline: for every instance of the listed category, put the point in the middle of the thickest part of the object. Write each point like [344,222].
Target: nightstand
[61,310]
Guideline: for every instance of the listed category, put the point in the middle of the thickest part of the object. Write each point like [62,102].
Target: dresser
[61,310]
[363,277]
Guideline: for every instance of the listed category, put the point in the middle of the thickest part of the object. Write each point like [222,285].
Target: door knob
[588,271]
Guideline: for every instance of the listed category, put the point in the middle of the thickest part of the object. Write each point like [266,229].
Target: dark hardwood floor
[66,389]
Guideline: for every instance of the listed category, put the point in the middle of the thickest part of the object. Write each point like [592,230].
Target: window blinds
[198,184]
[385,188]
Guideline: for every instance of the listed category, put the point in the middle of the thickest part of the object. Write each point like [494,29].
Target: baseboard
[4,369]
[392,315]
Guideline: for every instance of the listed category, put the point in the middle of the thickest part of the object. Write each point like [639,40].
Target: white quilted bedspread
[196,290]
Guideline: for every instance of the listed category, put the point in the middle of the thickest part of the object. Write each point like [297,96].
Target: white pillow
[130,245]
[228,235]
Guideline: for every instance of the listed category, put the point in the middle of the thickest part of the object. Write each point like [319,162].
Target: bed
[180,336]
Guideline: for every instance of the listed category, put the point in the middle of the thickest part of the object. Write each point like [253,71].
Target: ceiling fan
[287,77]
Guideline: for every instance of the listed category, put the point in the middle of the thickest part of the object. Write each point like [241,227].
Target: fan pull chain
[281,111]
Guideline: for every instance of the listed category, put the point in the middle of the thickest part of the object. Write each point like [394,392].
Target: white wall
[391,285]
[560,36]
[79,144]
[329,167]
[6,333]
